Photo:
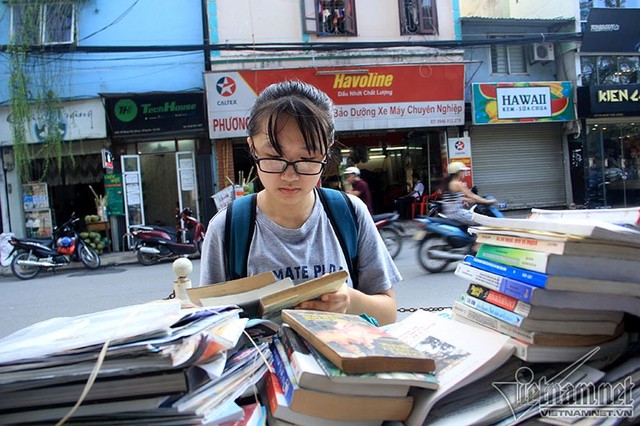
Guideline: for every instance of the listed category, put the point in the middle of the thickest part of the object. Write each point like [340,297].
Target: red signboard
[365,98]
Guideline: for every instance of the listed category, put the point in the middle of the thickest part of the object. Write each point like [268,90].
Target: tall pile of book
[144,364]
[559,288]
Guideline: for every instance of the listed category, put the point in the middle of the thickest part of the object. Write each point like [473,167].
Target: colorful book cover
[537,279]
[499,299]
[493,310]
[521,258]
[354,344]
[493,281]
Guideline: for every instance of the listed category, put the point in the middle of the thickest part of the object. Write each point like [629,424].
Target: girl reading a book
[291,130]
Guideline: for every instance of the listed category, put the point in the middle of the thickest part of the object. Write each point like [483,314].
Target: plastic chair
[421,206]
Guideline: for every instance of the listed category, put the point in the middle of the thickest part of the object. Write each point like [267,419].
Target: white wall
[542,9]
[246,21]
[484,8]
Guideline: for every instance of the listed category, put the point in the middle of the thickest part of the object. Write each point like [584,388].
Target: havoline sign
[153,113]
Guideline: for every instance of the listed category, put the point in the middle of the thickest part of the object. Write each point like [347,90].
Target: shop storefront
[162,153]
[390,120]
[610,116]
[519,148]
[64,188]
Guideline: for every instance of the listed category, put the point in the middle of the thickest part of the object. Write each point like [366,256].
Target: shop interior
[612,164]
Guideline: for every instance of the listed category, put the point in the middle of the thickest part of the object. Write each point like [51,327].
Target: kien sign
[371,98]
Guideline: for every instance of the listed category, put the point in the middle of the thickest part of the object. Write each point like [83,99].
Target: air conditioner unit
[542,52]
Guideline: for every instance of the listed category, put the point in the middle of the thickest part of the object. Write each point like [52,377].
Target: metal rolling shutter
[520,165]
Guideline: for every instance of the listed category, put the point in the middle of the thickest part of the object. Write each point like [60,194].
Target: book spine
[528,277]
[555,247]
[491,281]
[494,311]
[491,322]
[291,341]
[280,370]
[525,259]
[499,299]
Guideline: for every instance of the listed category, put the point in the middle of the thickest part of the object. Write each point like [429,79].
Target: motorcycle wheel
[88,257]
[430,264]
[392,240]
[24,272]
[146,259]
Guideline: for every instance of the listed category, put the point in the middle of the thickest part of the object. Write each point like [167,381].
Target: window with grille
[418,17]
[329,17]
[49,23]
[508,58]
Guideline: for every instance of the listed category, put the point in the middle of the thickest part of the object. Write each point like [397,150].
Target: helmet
[65,241]
[457,166]
[66,245]
[351,171]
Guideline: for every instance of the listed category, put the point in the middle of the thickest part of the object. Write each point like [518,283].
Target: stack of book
[559,288]
[144,364]
[339,369]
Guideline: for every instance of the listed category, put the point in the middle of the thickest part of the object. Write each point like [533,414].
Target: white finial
[182,267]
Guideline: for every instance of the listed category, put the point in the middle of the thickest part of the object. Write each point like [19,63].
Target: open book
[263,295]
[462,353]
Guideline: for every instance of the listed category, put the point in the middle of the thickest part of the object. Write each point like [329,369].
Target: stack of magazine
[153,363]
[560,288]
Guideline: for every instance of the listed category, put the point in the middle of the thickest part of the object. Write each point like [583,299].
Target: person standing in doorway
[358,186]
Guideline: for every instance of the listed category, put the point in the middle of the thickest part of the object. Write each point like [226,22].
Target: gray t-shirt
[304,253]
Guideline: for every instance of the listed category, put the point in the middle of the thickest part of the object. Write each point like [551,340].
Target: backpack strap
[238,231]
[343,219]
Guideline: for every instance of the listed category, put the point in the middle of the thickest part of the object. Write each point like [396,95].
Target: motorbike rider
[455,193]
[359,187]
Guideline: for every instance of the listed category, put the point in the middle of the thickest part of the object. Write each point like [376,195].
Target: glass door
[187,183]
[134,211]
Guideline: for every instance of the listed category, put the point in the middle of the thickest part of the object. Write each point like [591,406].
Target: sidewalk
[106,259]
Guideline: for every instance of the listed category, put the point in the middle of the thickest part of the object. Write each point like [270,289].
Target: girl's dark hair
[311,108]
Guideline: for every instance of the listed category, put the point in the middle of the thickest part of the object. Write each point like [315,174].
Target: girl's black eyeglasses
[278,165]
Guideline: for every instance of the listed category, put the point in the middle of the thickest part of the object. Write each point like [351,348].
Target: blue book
[282,371]
[537,279]
[496,282]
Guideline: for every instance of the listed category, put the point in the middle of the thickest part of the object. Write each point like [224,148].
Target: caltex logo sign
[459,145]
[226,86]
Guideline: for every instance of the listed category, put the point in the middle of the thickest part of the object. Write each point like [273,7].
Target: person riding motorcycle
[455,193]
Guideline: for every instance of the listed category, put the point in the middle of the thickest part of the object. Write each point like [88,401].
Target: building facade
[399,95]
[129,106]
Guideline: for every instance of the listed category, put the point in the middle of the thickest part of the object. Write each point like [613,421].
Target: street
[81,291]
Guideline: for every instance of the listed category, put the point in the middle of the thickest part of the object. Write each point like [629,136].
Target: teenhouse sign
[372,98]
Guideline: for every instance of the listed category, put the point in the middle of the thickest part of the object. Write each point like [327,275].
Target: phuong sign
[371,98]
[523,102]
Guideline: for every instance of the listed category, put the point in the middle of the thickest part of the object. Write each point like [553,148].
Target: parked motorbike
[391,231]
[443,240]
[156,243]
[34,254]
